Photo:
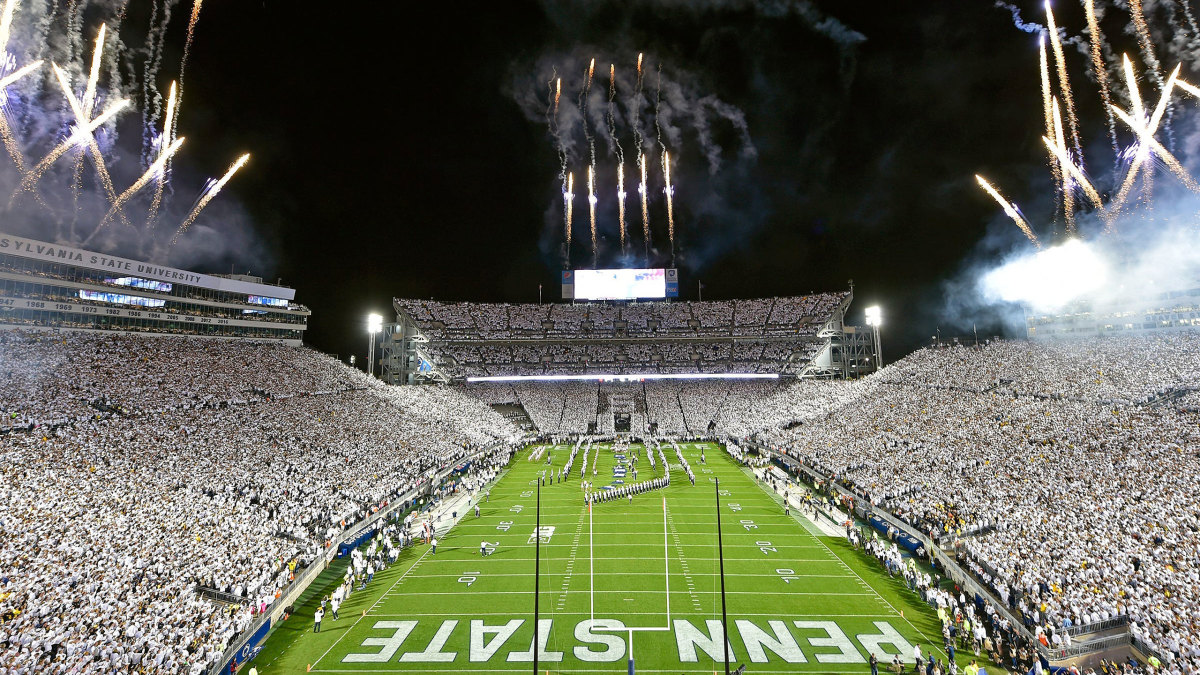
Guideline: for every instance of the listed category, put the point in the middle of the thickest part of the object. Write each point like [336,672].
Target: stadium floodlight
[874,317]
[875,320]
[374,325]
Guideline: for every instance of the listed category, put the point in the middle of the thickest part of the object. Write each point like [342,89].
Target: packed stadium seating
[733,318]
[1066,471]
[772,335]
[136,470]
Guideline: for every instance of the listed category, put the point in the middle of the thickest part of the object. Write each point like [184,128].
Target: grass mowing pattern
[455,611]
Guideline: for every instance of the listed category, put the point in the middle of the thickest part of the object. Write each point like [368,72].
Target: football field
[626,579]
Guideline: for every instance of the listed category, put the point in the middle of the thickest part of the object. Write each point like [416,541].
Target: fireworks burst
[568,208]
[645,193]
[155,171]
[1144,123]
[82,116]
[620,152]
[621,203]
[1010,210]
[212,191]
[81,134]
[592,214]
[106,92]
[1044,62]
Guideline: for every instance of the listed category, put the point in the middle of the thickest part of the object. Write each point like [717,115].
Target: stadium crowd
[141,478]
[1064,484]
[801,315]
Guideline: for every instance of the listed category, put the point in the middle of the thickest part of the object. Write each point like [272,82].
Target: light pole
[874,320]
[374,324]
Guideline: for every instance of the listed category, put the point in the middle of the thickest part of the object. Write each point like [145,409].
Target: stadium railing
[1098,626]
[956,573]
[244,647]
[1089,647]
[966,581]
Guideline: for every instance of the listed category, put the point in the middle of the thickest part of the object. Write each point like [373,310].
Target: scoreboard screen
[620,284]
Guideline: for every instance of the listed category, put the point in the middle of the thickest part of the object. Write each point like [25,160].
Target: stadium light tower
[874,320]
[374,325]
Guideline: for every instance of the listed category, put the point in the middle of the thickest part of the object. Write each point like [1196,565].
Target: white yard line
[385,594]
[866,584]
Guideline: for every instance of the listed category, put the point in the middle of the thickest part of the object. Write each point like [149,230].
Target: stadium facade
[1153,313]
[49,286]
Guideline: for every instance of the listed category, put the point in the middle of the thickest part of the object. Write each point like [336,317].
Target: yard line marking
[379,600]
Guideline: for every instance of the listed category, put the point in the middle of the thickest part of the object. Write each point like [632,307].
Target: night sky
[391,157]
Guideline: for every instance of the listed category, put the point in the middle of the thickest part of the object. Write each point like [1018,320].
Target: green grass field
[797,602]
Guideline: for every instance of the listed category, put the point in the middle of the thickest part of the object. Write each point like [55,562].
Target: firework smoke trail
[657,108]
[670,192]
[1191,18]
[1010,210]
[562,150]
[164,141]
[583,109]
[568,212]
[81,133]
[155,171]
[151,96]
[554,93]
[612,133]
[592,215]
[1044,63]
[621,203]
[1064,84]
[82,117]
[1101,69]
[187,45]
[74,14]
[1068,192]
[641,160]
[636,117]
[210,193]
[612,112]
[1145,41]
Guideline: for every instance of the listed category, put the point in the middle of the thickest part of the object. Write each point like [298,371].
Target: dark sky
[391,157]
